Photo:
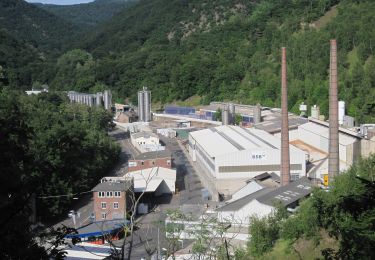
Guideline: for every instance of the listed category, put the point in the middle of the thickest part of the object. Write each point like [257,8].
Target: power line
[63,195]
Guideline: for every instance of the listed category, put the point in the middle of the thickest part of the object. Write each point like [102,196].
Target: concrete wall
[367,147]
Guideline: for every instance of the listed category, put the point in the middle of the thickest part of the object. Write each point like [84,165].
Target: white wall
[243,215]
[268,157]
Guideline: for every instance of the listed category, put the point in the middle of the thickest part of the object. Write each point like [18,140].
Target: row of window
[104,205]
[109,194]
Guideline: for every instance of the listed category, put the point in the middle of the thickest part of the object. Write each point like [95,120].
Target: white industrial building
[146,142]
[231,155]
[317,135]
[262,201]
[158,180]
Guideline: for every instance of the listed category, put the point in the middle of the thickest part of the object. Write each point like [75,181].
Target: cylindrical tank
[232,113]
[341,112]
[315,112]
[147,104]
[141,116]
[99,98]
[225,116]
[107,97]
[257,114]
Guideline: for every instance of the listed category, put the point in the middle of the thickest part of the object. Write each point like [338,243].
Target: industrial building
[144,105]
[249,114]
[231,155]
[262,202]
[151,159]
[156,180]
[146,142]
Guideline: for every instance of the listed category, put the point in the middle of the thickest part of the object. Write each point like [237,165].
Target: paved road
[188,199]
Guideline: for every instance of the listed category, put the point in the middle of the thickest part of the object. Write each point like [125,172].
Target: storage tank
[341,112]
[107,96]
[257,114]
[225,116]
[141,113]
[315,112]
[147,104]
[232,113]
[99,96]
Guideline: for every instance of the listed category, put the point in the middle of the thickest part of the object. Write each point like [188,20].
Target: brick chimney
[333,156]
[285,161]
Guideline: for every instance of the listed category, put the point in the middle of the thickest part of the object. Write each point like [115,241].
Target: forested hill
[20,63]
[26,22]
[88,15]
[230,50]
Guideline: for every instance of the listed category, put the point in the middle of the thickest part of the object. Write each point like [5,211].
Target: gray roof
[274,125]
[267,175]
[144,135]
[240,203]
[113,186]
[153,155]
[288,194]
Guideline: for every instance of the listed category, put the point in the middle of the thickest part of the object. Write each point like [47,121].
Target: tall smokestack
[333,156]
[285,161]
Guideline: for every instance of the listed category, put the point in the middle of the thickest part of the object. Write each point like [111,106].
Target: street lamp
[73,215]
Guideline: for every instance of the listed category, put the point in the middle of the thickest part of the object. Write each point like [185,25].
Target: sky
[60,2]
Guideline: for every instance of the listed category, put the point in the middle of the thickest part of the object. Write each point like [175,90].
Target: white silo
[225,115]
[315,112]
[341,112]
[232,114]
[144,105]
[257,114]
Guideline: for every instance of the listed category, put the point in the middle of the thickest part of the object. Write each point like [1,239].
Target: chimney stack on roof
[285,161]
[333,156]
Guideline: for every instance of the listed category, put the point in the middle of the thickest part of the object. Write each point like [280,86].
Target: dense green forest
[230,50]
[225,50]
[35,26]
[49,147]
[88,15]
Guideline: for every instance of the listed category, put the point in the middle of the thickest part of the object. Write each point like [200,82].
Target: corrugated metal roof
[288,194]
[323,131]
[228,139]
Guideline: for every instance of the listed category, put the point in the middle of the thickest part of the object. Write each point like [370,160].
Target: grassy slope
[302,249]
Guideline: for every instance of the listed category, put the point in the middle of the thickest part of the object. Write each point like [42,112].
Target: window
[117,194]
[104,205]
[109,194]
[101,194]
[115,205]
[142,163]
[104,215]
[153,162]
